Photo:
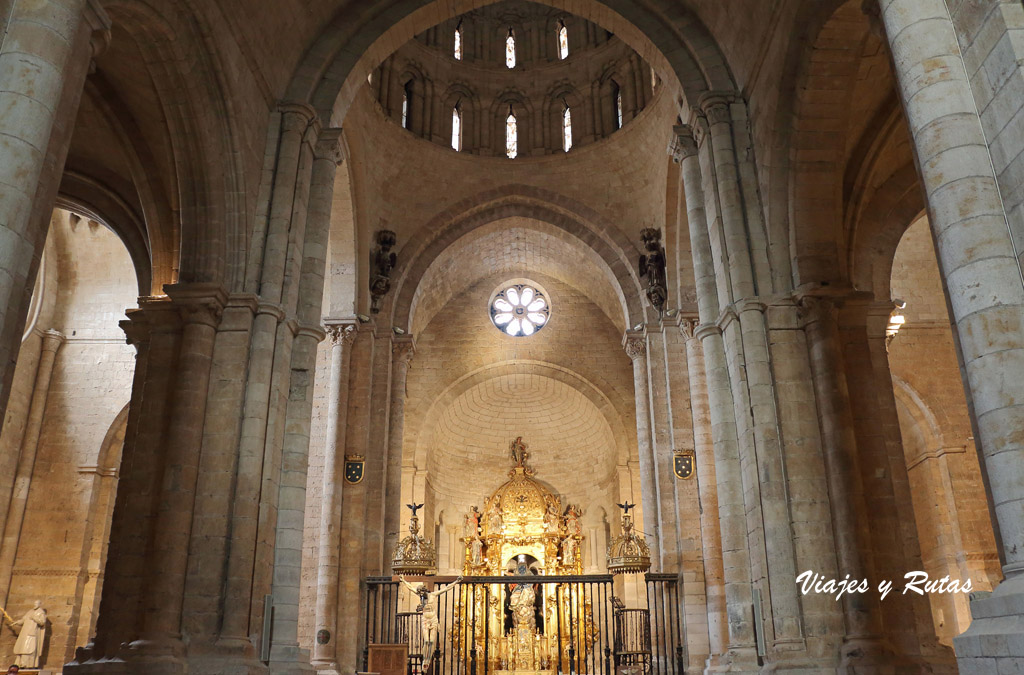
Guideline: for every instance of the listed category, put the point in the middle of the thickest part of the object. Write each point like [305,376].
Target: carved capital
[683,143]
[813,308]
[403,350]
[207,313]
[198,303]
[715,106]
[296,116]
[343,334]
[136,328]
[688,327]
[635,347]
[330,146]
[52,340]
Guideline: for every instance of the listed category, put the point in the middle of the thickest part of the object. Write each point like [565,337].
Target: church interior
[511,337]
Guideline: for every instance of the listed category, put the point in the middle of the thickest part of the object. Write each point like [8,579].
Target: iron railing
[581,628]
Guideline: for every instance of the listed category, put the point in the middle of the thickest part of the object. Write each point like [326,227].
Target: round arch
[610,407]
[613,248]
[206,189]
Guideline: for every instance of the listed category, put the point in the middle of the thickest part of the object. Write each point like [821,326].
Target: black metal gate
[582,628]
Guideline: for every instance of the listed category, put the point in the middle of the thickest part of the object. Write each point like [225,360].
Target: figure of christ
[429,612]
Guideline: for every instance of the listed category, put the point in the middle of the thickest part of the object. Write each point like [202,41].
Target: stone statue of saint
[476,552]
[570,550]
[28,650]
[494,522]
[471,528]
[551,520]
[518,452]
[428,611]
[572,522]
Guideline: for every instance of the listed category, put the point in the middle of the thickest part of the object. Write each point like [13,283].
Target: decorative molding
[707,330]
[296,115]
[935,454]
[94,469]
[312,330]
[272,309]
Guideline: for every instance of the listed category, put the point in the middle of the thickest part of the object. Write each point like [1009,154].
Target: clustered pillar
[209,517]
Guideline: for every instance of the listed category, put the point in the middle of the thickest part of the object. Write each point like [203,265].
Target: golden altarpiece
[524,530]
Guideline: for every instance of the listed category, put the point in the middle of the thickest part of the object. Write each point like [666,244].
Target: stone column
[740,652]
[307,252]
[863,643]
[710,527]
[636,348]
[200,309]
[325,656]
[659,402]
[356,504]
[403,349]
[269,358]
[894,551]
[752,374]
[44,58]
[52,340]
[981,270]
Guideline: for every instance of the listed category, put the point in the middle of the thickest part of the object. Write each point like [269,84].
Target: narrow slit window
[563,40]
[457,128]
[567,129]
[458,43]
[511,135]
[510,49]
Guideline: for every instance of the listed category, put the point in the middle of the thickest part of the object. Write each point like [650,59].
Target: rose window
[520,310]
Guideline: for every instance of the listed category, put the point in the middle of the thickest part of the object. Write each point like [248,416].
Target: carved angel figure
[653,265]
[384,260]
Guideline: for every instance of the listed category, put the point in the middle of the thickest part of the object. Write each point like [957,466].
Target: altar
[529,611]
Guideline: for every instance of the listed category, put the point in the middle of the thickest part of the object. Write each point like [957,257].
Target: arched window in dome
[567,129]
[563,40]
[457,127]
[458,42]
[618,105]
[510,49]
[511,135]
[406,104]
